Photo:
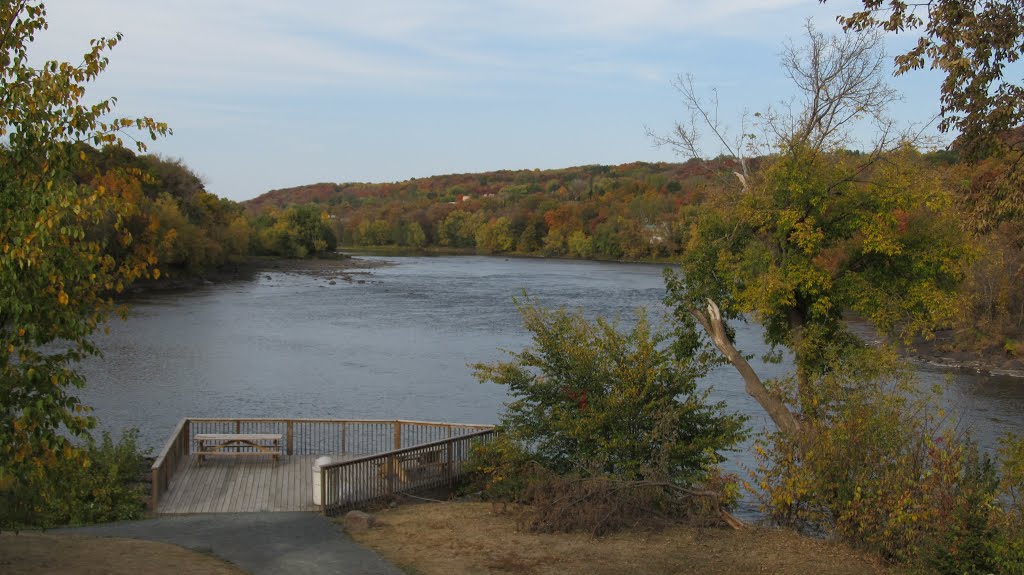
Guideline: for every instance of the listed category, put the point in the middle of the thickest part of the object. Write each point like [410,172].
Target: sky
[268,94]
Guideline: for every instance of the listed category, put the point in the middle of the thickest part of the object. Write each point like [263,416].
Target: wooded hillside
[631,211]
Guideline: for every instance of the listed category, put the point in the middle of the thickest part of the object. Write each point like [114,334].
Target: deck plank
[248,502]
[231,485]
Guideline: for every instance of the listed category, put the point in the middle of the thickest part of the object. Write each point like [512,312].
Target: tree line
[188,230]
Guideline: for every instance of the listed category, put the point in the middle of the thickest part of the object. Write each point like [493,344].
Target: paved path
[259,543]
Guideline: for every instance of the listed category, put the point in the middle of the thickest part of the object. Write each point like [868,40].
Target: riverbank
[405,251]
[460,538]
[332,267]
[943,351]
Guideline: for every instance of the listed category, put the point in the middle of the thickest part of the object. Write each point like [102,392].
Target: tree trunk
[803,378]
[712,323]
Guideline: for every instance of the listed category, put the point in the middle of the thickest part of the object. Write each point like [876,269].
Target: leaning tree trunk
[711,321]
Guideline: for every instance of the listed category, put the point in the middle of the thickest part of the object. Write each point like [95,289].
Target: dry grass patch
[463,538]
[45,554]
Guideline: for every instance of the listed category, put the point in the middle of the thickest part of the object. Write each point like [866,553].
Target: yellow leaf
[62,298]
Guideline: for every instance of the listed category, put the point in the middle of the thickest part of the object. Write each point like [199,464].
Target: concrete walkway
[259,543]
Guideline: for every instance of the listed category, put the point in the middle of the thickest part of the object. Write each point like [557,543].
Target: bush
[101,484]
[877,468]
[596,406]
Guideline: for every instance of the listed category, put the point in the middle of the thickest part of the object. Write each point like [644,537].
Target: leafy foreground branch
[65,248]
[607,428]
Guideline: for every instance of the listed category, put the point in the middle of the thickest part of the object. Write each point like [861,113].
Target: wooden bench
[429,462]
[238,444]
[412,465]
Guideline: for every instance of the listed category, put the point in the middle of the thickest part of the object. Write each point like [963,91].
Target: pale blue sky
[267,94]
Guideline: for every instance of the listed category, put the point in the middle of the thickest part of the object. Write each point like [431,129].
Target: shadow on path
[259,543]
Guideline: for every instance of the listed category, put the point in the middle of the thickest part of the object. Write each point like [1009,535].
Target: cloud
[308,84]
[391,42]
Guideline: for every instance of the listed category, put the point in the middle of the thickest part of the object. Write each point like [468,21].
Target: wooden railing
[347,484]
[307,437]
[173,454]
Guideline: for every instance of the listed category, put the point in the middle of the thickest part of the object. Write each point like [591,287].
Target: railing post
[392,473]
[448,465]
[398,434]
[291,436]
[187,428]
[344,448]
[154,491]
[323,492]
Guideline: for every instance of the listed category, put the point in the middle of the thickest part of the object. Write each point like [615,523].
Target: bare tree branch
[686,137]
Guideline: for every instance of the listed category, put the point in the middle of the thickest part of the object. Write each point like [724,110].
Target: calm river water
[397,346]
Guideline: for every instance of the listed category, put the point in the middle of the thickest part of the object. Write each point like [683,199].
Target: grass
[466,537]
[45,554]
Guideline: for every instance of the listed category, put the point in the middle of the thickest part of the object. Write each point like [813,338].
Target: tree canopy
[975,44]
[819,231]
[65,246]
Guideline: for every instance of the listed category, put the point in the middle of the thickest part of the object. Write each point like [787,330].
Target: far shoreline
[341,265]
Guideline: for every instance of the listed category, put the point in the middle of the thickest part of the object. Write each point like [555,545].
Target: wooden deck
[229,484]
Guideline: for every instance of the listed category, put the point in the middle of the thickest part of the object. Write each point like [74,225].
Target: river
[396,346]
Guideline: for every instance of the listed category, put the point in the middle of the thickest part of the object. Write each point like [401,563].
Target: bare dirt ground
[46,554]
[463,538]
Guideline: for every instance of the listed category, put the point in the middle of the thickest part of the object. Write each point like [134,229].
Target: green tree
[311,224]
[594,400]
[414,235]
[372,232]
[554,242]
[529,240]
[495,236]
[56,277]
[580,245]
[458,230]
[818,231]
[238,238]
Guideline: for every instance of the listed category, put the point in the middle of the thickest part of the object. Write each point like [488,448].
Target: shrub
[100,485]
[877,467]
[594,406]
